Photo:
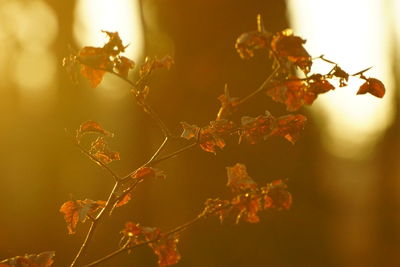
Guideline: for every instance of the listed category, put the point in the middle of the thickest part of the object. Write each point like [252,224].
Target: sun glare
[353,34]
[122,16]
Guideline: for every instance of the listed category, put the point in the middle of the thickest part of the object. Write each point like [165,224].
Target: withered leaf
[90,127]
[123,65]
[210,136]
[290,92]
[148,173]
[256,129]
[189,131]
[114,45]
[216,206]
[238,178]
[99,150]
[78,210]
[44,259]
[248,42]
[289,126]
[247,206]
[290,47]
[276,196]
[95,62]
[373,86]
[228,105]
[166,249]
[151,64]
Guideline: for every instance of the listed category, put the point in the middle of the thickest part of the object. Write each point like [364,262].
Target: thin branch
[127,247]
[94,159]
[93,226]
[261,88]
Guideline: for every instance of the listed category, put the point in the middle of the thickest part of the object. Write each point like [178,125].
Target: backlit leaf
[289,127]
[373,86]
[290,47]
[256,129]
[228,105]
[238,178]
[78,210]
[95,62]
[44,259]
[91,127]
[99,149]
[123,65]
[276,196]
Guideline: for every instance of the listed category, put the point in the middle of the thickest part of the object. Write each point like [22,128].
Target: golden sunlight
[352,34]
[122,16]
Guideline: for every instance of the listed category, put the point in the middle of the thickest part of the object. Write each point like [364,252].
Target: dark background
[41,169]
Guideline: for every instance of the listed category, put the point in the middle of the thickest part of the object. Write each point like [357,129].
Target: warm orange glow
[356,38]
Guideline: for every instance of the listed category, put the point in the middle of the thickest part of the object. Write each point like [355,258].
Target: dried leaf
[218,207]
[238,178]
[95,61]
[91,127]
[99,149]
[132,229]
[290,47]
[247,206]
[151,64]
[124,200]
[277,196]
[248,42]
[189,131]
[123,65]
[114,45]
[256,129]
[210,137]
[78,210]
[228,105]
[289,127]
[148,173]
[44,259]
[290,92]
[166,249]
[373,86]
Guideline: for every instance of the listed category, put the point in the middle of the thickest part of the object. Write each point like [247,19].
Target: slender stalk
[127,247]
[93,226]
[97,161]
[259,89]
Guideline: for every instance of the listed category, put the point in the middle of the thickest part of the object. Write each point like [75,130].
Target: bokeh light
[353,34]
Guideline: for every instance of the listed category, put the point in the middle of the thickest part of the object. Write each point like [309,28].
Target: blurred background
[343,173]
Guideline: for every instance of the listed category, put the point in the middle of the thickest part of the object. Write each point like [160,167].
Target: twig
[93,226]
[94,159]
[127,247]
[261,88]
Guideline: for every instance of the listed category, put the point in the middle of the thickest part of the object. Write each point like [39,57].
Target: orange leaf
[290,92]
[228,105]
[151,64]
[78,210]
[124,200]
[218,207]
[44,259]
[248,42]
[277,196]
[114,45]
[373,86]
[90,127]
[210,137]
[289,127]
[238,179]
[189,131]
[95,61]
[123,65]
[248,206]
[256,129]
[99,149]
[166,249]
[290,47]
[147,173]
